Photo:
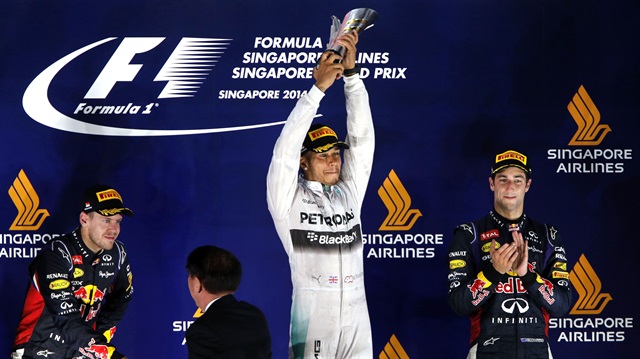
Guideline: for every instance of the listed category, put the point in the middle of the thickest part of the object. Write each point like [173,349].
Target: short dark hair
[527,175]
[218,269]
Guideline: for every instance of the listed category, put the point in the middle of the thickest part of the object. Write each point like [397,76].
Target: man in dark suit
[228,329]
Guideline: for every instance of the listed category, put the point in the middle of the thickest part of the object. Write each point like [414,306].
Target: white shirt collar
[211,302]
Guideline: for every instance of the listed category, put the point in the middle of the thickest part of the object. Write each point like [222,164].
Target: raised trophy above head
[355,20]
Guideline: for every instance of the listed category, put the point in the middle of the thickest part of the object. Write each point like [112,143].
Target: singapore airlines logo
[26,200]
[588,286]
[198,313]
[587,116]
[398,203]
[393,349]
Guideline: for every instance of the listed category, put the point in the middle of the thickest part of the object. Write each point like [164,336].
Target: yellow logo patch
[487,247]
[324,148]
[322,132]
[108,194]
[558,274]
[77,273]
[110,212]
[511,155]
[560,265]
[59,284]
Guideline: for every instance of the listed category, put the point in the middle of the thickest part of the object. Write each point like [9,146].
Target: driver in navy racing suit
[80,286]
[508,272]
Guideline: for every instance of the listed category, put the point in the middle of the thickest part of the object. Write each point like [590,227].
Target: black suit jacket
[229,329]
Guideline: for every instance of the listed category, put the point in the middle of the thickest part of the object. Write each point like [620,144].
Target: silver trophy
[356,19]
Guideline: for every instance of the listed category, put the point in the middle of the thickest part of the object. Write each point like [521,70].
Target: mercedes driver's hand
[327,70]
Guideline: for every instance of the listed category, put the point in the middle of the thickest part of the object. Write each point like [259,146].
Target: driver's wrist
[352,71]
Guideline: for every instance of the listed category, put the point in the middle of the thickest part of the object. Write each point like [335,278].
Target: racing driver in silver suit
[317,214]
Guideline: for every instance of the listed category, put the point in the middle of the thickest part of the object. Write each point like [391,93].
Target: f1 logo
[119,67]
[184,70]
[183,73]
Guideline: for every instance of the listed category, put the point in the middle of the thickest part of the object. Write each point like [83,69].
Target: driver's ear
[84,218]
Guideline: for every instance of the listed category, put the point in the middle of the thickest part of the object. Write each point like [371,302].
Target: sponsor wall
[89,93]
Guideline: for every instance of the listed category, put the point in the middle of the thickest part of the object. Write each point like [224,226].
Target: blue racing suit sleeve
[469,286]
[548,283]
[118,297]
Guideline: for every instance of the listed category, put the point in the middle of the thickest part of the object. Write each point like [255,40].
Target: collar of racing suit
[509,224]
[86,252]
[318,188]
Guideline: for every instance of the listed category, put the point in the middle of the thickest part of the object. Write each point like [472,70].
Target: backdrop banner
[178,104]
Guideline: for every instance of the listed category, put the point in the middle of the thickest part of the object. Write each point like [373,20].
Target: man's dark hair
[527,176]
[218,269]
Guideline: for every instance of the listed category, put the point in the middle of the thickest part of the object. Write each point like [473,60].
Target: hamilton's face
[322,167]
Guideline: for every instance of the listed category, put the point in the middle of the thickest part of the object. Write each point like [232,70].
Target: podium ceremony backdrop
[89,93]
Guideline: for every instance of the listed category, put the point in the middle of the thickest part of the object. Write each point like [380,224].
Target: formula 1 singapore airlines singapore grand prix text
[280,62]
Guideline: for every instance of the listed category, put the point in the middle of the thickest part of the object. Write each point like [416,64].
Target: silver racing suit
[320,229]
